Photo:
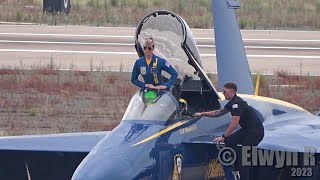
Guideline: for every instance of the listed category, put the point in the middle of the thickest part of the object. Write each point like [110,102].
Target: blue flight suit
[152,73]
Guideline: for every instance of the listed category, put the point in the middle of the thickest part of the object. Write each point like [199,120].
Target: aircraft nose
[101,168]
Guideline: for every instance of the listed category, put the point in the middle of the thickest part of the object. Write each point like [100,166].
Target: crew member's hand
[216,112]
[218,139]
[160,87]
[151,86]
[198,114]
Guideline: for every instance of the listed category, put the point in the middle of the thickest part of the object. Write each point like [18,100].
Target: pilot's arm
[169,69]
[134,76]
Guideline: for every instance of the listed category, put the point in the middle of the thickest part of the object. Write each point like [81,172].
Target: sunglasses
[149,48]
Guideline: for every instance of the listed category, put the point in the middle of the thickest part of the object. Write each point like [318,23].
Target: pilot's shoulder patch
[143,70]
[234,106]
[167,64]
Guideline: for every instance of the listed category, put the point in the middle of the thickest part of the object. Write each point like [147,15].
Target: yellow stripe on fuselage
[268,100]
[161,132]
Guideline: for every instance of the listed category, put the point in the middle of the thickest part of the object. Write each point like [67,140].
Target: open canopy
[174,42]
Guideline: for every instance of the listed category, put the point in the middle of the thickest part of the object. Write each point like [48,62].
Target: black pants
[245,138]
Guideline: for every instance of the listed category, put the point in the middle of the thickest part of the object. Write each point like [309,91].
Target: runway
[111,48]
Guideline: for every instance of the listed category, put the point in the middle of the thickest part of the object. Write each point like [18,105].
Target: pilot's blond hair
[148,42]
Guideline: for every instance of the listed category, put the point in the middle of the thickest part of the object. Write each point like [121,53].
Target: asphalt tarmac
[111,48]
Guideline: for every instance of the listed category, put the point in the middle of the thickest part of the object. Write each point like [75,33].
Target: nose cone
[95,167]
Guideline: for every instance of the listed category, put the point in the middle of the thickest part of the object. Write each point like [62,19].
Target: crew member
[251,132]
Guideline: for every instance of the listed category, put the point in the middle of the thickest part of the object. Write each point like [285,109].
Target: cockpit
[152,105]
[174,42]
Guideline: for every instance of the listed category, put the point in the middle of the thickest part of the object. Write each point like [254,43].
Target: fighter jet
[158,137]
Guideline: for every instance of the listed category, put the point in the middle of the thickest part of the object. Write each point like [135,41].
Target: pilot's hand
[160,87]
[151,86]
[218,139]
[198,114]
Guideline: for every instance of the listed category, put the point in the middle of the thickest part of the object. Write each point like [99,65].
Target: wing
[45,156]
[293,133]
[231,56]
[68,142]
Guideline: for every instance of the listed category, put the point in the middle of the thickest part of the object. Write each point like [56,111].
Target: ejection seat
[197,94]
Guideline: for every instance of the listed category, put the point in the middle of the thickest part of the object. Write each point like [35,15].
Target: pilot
[251,132]
[150,67]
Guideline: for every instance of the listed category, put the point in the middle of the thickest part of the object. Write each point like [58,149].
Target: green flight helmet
[150,96]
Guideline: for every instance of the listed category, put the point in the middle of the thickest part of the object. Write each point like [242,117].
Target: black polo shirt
[249,120]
